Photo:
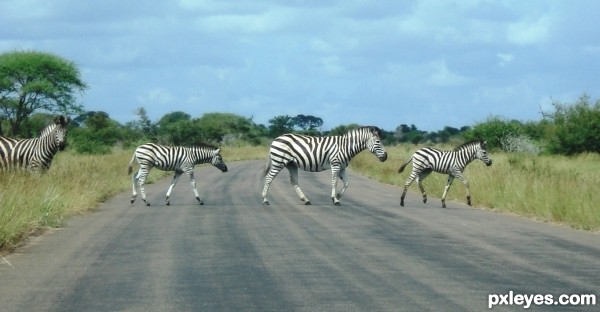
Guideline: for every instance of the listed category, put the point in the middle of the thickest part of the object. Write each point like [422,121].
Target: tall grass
[548,188]
[73,185]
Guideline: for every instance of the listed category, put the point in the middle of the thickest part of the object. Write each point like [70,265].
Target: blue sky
[429,63]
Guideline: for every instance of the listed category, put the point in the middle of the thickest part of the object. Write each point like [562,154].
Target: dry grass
[548,188]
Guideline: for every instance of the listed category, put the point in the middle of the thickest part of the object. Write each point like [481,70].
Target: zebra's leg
[293,169]
[420,179]
[173,182]
[448,184]
[134,181]
[409,181]
[466,183]
[335,174]
[193,183]
[271,174]
[141,177]
[344,178]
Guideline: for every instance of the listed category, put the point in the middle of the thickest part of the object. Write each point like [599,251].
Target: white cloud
[442,76]
[156,96]
[504,58]
[529,32]
[331,65]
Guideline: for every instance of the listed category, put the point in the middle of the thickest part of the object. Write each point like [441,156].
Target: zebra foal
[453,163]
[34,155]
[172,158]
[315,154]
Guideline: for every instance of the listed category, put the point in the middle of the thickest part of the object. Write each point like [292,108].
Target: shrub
[575,128]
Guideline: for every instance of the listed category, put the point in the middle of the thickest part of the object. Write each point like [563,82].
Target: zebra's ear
[61,120]
[217,151]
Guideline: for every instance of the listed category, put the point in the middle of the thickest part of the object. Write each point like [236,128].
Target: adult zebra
[172,158]
[34,155]
[453,163]
[315,154]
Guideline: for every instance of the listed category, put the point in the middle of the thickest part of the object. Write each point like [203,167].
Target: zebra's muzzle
[61,146]
[383,157]
[489,163]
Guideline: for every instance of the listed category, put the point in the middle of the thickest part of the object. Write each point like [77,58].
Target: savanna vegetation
[545,169]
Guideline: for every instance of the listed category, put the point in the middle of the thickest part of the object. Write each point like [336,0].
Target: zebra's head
[59,131]
[481,153]
[374,143]
[217,160]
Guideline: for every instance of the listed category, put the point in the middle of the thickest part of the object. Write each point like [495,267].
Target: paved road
[233,254]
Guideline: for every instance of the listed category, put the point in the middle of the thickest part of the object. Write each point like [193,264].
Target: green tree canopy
[575,128]
[281,124]
[33,81]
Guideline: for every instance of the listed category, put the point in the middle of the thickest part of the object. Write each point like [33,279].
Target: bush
[494,130]
[575,128]
[520,144]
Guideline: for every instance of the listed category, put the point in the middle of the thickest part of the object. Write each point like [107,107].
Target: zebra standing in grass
[315,154]
[34,155]
[172,158]
[428,159]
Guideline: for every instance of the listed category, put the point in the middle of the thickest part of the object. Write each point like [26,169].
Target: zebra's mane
[204,145]
[58,121]
[470,143]
[47,130]
[374,129]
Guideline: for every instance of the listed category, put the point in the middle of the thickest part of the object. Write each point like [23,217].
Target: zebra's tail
[267,167]
[129,168]
[404,165]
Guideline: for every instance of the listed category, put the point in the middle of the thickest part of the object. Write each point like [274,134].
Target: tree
[343,129]
[96,133]
[33,81]
[307,122]
[575,128]
[281,124]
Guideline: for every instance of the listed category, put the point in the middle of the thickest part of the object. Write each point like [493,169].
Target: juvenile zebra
[34,155]
[315,154]
[172,158]
[453,163]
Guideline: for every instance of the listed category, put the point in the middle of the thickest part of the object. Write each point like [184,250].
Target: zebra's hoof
[131,202]
[200,203]
[337,204]
[307,203]
[266,203]
[168,203]
[147,204]
[402,203]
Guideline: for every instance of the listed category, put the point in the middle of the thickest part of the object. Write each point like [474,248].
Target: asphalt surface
[234,254]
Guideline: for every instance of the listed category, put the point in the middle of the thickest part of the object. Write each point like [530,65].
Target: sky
[431,63]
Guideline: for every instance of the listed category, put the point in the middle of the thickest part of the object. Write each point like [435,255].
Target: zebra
[172,158]
[315,154]
[428,159]
[35,155]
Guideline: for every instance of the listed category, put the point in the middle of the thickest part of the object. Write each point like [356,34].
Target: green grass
[549,188]
[74,184]
[557,189]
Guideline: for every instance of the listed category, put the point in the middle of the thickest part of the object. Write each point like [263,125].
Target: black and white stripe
[34,155]
[314,154]
[453,163]
[172,158]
